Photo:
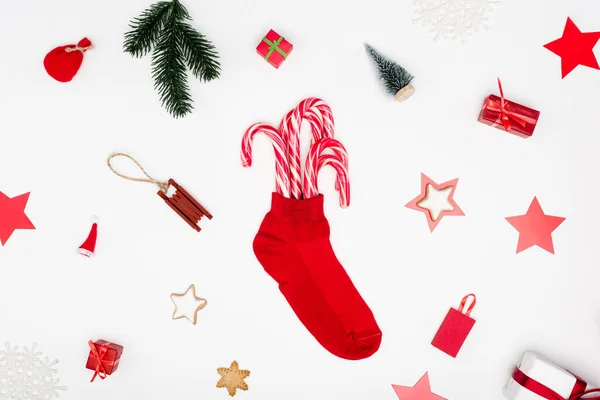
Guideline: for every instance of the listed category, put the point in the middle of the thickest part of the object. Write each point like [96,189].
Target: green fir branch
[145,29]
[200,54]
[164,27]
[168,68]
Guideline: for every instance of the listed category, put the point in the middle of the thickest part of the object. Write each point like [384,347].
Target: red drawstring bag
[63,62]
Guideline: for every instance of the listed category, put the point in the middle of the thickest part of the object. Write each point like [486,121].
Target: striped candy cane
[319,115]
[342,176]
[290,131]
[312,159]
[318,110]
[282,167]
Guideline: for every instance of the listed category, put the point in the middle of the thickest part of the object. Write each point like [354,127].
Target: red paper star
[12,215]
[535,228]
[429,187]
[575,48]
[421,390]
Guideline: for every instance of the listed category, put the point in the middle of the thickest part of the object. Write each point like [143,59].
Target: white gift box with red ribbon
[537,378]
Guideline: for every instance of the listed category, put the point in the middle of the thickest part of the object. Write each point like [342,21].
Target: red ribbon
[534,386]
[99,357]
[505,115]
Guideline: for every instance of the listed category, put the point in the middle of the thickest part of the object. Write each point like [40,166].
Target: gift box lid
[543,371]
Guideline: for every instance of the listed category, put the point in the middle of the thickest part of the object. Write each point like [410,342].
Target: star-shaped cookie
[188,304]
[232,378]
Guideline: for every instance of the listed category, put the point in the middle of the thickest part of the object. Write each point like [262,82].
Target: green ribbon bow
[274,46]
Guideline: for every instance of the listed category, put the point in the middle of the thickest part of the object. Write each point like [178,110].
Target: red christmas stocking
[63,62]
[293,246]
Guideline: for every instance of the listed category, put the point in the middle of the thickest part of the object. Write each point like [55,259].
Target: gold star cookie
[232,378]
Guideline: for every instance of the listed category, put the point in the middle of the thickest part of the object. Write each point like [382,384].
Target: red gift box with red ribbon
[104,358]
[512,117]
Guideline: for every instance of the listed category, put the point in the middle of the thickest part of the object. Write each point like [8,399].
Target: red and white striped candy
[319,115]
[282,180]
[312,159]
[342,176]
[290,131]
[318,110]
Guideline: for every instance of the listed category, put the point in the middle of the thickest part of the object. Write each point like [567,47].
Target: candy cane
[323,117]
[311,166]
[282,181]
[290,131]
[342,176]
[320,117]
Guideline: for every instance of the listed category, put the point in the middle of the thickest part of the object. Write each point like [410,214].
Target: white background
[56,138]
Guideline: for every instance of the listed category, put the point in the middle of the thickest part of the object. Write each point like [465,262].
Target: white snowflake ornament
[27,375]
[453,19]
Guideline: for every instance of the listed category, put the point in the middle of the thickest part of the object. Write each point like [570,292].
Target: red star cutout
[12,215]
[575,48]
[535,228]
[417,202]
[421,390]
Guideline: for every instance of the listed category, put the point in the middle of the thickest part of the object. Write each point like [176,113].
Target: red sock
[274,246]
[293,247]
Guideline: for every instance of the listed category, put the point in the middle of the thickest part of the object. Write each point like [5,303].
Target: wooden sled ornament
[185,205]
[181,201]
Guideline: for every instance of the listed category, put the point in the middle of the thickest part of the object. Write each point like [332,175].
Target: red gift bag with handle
[455,328]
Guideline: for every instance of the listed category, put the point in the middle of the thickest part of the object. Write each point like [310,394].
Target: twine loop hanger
[162,186]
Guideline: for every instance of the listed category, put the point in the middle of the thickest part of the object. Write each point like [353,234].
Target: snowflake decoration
[454,19]
[27,375]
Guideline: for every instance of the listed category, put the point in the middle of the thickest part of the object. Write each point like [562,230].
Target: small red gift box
[274,48]
[104,358]
[507,115]
[456,327]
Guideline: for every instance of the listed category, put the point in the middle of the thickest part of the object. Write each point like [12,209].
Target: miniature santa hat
[88,247]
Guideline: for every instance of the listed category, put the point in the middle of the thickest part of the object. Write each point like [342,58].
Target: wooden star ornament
[232,378]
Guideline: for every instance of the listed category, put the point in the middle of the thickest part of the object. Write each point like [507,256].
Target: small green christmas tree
[396,80]
[164,28]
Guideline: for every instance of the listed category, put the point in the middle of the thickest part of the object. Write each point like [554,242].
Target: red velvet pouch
[63,62]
